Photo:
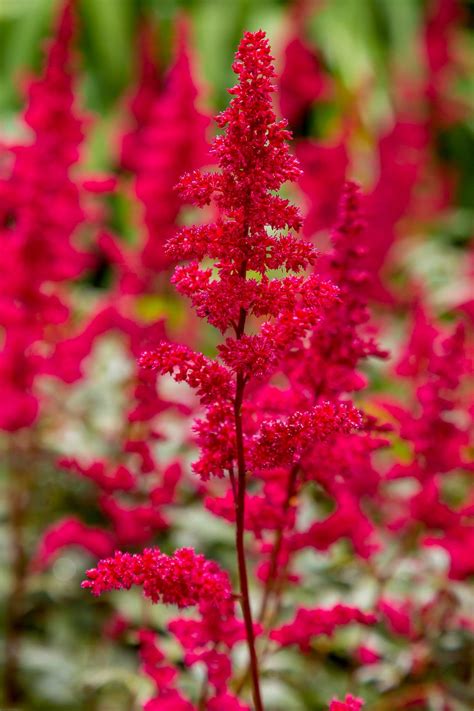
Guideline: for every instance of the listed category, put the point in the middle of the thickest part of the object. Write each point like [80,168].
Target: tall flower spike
[254,161]
[142,102]
[172,141]
[40,211]
[252,233]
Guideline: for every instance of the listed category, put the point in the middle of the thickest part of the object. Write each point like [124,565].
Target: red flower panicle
[248,429]
[71,532]
[252,235]
[310,623]
[40,211]
[350,703]
[302,83]
[182,579]
[170,139]
[150,84]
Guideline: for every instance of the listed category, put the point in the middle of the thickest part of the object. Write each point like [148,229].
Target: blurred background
[380,90]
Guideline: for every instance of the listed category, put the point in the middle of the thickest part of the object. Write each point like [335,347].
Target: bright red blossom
[265,319]
[309,623]
[351,703]
[182,579]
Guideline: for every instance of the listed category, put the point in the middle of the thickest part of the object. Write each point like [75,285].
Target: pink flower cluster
[316,622]
[39,215]
[169,139]
[351,703]
[182,579]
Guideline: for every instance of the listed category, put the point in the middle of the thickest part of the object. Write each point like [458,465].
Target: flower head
[183,578]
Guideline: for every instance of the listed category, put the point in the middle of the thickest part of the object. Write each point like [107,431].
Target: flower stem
[271,586]
[239,539]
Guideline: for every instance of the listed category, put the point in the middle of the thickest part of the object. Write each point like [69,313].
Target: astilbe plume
[324,367]
[261,317]
[40,212]
[150,85]
[351,703]
[414,181]
[169,139]
[132,488]
[343,339]
[434,423]
[302,83]
[182,579]
[438,427]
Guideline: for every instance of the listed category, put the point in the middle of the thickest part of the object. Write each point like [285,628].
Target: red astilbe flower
[437,425]
[343,339]
[324,165]
[183,578]
[262,317]
[350,703]
[302,82]
[150,85]
[51,98]
[309,623]
[325,366]
[171,142]
[254,162]
[402,159]
[39,213]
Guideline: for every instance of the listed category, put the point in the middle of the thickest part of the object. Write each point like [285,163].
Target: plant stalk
[239,539]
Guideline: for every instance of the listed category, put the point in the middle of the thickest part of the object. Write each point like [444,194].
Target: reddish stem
[239,539]
[240,513]
[272,573]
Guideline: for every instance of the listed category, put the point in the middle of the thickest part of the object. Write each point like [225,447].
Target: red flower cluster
[39,213]
[169,140]
[351,703]
[182,579]
[316,622]
[269,316]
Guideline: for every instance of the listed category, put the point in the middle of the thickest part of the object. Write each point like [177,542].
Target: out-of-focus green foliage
[358,38]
